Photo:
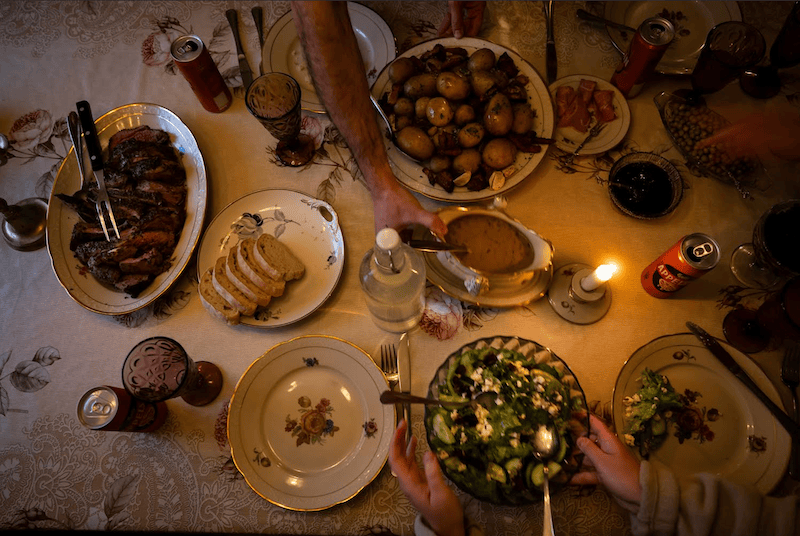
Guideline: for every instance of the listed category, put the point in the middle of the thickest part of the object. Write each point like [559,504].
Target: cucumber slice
[441,430]
[513,466]
[537,475]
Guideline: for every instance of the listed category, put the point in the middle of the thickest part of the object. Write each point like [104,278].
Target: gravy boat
[478,282]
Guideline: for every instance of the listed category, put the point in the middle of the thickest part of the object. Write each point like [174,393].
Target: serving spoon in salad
[396,397]
[545,445]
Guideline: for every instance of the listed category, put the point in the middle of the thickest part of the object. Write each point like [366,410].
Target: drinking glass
[764,81]
[730,48]
[274,99]
[773,256]
[159,368]
[776,320]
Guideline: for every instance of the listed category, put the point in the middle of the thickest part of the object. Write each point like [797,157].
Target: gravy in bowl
[494,245]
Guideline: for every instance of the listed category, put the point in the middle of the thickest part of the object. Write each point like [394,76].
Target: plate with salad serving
[486,449]
[676,403]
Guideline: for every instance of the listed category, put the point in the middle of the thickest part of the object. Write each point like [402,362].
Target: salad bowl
[488,451]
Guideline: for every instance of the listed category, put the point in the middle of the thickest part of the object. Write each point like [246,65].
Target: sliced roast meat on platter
[147,188]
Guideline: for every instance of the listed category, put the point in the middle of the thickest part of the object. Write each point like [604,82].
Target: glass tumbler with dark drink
[730,48]
[764,81]
[773,256]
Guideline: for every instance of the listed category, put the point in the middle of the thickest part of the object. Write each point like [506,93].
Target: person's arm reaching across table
[700,505]
[339,76]
[458,25]
[427,490]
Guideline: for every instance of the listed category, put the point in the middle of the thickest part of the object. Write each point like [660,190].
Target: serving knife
[96,158]
[244,67]
[726,359]
[550,46]
[404,378]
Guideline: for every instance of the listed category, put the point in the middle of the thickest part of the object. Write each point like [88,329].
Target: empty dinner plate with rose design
[306,425]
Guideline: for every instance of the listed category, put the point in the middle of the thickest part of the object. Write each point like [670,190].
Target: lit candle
[601,274]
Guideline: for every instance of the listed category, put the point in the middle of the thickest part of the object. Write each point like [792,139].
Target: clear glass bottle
[392,276]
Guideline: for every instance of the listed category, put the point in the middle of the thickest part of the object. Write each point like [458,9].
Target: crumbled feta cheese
[463,437]
[443,455]
[630,440]
[514,443]
[454,414]
[519,383]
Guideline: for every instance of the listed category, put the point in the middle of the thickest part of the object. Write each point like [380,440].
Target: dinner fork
[790,374]
[596,129]
[390,370]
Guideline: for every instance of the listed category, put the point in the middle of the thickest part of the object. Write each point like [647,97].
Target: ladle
[25,226]
[389,128]
[395,397]
[545,445]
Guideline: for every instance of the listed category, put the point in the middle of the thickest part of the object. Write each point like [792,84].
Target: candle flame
[604,272]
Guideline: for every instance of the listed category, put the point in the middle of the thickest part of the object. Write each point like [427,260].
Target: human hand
[760,134]
[614,465]
[396,207]
[457,25]
[427,491]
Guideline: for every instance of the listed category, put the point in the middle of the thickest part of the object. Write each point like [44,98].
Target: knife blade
[244,67]
[550,46]
[404,378]
[727,360]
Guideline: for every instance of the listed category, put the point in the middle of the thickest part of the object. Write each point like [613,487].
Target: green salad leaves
[648,412]
[486,450]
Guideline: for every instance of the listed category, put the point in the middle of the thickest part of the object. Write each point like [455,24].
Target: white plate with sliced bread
[270,258]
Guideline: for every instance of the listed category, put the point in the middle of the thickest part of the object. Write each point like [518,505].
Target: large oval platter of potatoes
[269,259]
[471,119]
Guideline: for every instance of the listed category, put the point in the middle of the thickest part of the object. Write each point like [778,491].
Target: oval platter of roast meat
[156,180]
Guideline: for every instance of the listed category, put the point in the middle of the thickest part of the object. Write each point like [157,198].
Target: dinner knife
[550,46]
[244,67]
[726,359]
[404,378]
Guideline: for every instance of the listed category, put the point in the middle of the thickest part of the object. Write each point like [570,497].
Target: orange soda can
[689,258]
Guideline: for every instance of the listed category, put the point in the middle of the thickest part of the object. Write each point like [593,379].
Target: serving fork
[790,374]
[596,129]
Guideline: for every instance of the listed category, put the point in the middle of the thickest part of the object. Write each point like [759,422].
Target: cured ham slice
[576,107]
[604,105]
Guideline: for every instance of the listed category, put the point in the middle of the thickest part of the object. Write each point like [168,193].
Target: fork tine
[111,217]
[102,221]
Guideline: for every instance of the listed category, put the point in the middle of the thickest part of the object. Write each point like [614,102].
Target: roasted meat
[146,183]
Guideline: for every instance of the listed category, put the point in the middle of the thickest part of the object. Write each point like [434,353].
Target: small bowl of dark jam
[645,186]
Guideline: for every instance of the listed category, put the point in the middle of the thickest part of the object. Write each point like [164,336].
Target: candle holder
[159,368]
[572,301]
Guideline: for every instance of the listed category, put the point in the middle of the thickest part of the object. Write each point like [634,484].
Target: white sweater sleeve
[706,505]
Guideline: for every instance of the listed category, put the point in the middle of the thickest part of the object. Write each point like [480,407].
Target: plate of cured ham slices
[581,101]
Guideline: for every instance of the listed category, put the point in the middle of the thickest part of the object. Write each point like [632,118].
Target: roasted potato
[401,70]
[482,82]
[499,153]
[420,85]
[464,114]
[471,135]
[439,113]
[498,116]
[481,60]
[404,106]
[469,160]
[523,118]
[415,142]
[451,86]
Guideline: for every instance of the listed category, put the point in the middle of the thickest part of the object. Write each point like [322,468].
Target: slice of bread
[245,254]
[277,260]
[213,302]
[242,282]
[229,291]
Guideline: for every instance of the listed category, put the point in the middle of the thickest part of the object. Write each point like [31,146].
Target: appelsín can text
[690,257]
[113,409]
[192,59]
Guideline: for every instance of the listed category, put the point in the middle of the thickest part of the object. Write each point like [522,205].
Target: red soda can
[647,48]
[112,409]
[690,257]
[195,63]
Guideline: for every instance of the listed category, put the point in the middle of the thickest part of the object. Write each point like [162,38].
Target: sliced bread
[277,259]
[229,291]
[245,254]
[213,302]
[242,282]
